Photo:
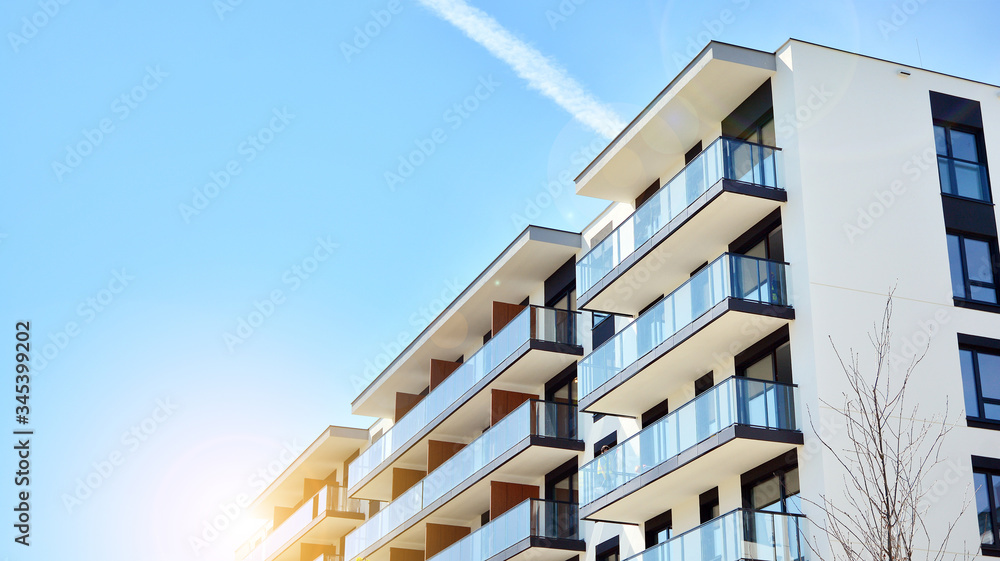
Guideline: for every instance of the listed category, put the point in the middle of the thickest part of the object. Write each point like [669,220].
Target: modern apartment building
[655,386]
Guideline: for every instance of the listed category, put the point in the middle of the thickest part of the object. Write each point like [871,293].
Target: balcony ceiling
[324,455]
[689,109]
[518,271]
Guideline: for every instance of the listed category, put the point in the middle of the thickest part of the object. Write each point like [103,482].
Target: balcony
[549,529]
[536,341]
[736,536]
[321,519]
[533,439]
[720,194]
[729,429]
[720,311]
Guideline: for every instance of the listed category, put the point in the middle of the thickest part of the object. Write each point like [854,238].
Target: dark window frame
[968,283]
[991,468]
[951,158]
[979,419]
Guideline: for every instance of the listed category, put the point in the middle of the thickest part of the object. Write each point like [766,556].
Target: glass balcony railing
[531,518]
[730,276]
[735,401]
[538,418]
[543,324]
[726,158]
[738,535]
[331,498]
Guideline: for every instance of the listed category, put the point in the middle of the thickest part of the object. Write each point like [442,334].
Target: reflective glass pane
[767,134]
[989,375]
[763,369]
[983,294]
[977,257]
[963,145]
[783,364]
[955,261]
[940,141]
[983,513]
[944,172]
[969,181]
[969,383]
[766,495]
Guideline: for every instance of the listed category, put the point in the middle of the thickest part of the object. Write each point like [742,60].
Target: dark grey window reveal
[973,268]
[981,382]
[987,485]
[960,163]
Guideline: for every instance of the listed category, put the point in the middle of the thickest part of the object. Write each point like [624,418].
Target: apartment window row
[980,364]
[970,221]
[986,479]
[960,158]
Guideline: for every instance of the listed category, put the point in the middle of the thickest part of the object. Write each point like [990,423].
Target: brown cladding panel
[440,536]
[504,496]
[440,370]
[398,554]
[439,451]
[311,486]
[503,402]
[503,313]
[281,513]
[312,551]
[405,402]
[403,479]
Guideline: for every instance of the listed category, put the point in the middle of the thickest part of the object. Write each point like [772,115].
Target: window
[987,484]
[960,167]
[778,492]
[981,382]
[608,550]
[709,505]
[659,529]
[775,366]
[973,266]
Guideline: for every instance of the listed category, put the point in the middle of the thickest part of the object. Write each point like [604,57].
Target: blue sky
[174,170]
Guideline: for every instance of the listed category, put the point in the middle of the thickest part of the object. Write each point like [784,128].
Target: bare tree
[886,457]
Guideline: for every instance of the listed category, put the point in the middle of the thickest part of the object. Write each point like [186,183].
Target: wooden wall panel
[403,479]
[503,313]
[281,513]
[439,451]
[311,486]
[405,402]
[440,370]
[312,551]
[399,554]
[503,402]
[504,496]
[440,536]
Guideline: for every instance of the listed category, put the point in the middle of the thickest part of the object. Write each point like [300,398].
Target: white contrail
[541,73]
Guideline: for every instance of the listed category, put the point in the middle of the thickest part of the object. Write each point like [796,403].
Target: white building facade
[656,386]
